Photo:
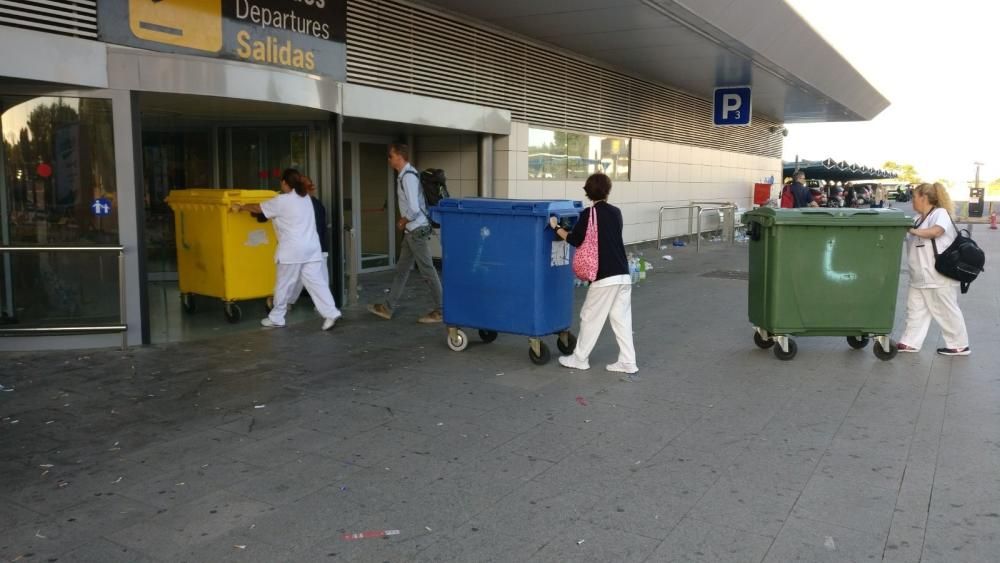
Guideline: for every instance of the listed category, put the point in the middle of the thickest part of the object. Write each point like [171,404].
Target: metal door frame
[355,185]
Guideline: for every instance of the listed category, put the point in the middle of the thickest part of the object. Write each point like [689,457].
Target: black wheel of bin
[543,357]
[487,336]
[793,349]
[569,346]
[233,313]
[857,342]
[761,342]
[188,304]
[883,354]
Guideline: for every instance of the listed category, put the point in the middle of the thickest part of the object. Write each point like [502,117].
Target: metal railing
[121,327]
[728,210]
[691,217]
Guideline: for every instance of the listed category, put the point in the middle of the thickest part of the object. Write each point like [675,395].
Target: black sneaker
[954,351]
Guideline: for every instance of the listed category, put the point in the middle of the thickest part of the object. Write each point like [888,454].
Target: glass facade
[58,188]
[565,155]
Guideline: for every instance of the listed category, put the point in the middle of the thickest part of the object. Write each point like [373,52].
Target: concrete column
[486,165]
[131,211]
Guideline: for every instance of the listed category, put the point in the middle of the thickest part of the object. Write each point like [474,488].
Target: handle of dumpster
[566,220]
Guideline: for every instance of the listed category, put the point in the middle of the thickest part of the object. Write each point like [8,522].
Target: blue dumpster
[506,271]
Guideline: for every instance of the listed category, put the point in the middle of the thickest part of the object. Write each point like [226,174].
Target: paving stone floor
[271,446]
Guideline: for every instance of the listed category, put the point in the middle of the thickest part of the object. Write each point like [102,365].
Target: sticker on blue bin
[560,253]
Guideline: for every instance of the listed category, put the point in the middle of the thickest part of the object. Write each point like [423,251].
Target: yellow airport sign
[195,24]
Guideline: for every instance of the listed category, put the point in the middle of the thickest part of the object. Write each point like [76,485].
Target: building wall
[661,174]
[457,155]
[463,60]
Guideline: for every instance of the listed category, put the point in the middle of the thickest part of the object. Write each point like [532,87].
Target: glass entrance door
[201,155]
[370,203]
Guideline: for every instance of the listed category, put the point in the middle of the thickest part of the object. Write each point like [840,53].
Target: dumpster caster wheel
[856,342]
[269,304]
[542,357]
[487,336]
[569,346]
[761,342]
[785,356]
[883,354]
[233,313]
[187,303]
[457,340]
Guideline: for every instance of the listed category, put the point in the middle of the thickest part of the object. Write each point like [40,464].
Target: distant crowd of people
[798,193]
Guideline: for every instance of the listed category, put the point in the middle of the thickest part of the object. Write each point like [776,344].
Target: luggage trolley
[505,271]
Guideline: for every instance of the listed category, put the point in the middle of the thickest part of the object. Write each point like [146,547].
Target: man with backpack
[415,223]
[796,194]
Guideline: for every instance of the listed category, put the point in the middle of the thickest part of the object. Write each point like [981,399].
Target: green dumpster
[824,272]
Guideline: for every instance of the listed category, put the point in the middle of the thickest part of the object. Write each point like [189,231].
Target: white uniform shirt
[920,251]
[295,225]
[410,196]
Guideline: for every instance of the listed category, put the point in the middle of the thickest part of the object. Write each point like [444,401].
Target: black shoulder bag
[962,261]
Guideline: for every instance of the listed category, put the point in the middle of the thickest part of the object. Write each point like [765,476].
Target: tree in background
[946,183]
[905,172]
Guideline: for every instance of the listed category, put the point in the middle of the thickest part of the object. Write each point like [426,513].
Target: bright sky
[936,63]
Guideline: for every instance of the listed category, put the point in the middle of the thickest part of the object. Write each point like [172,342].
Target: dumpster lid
[537,207]
[829,216]
[218,196]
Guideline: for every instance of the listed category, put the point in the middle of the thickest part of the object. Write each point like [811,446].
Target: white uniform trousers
[614,301]
[312,276]
[297,290]
[940,304]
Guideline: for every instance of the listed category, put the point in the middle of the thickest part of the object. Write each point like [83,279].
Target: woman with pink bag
[600,259]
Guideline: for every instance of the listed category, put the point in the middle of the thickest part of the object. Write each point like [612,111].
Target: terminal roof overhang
[698,45]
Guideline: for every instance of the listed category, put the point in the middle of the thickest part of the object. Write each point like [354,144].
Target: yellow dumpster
[222,253]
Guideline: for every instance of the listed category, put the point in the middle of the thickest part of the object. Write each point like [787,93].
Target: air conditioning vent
[76,18]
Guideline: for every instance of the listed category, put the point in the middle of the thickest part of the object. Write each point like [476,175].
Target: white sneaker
[328,323]
[267,323]
[620,367]
[572,363]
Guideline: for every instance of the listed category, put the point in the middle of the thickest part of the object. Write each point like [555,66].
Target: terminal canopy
[835,171]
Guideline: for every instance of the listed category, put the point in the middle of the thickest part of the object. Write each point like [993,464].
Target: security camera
[776,129]
[784,132]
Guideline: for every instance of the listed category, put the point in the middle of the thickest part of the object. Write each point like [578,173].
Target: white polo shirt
[920,252]
[295,225]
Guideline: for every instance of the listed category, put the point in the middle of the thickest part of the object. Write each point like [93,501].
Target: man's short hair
[799,174]
[401,149]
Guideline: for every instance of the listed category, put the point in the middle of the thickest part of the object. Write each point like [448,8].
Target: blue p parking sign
[732,106]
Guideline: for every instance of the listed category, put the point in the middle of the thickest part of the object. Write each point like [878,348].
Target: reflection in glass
[59,172]
[59,289]
[581,161]
[171,160]
[248,172]
[558,155]
[546,154]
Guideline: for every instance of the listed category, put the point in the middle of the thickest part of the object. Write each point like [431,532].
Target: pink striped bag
[585,259]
